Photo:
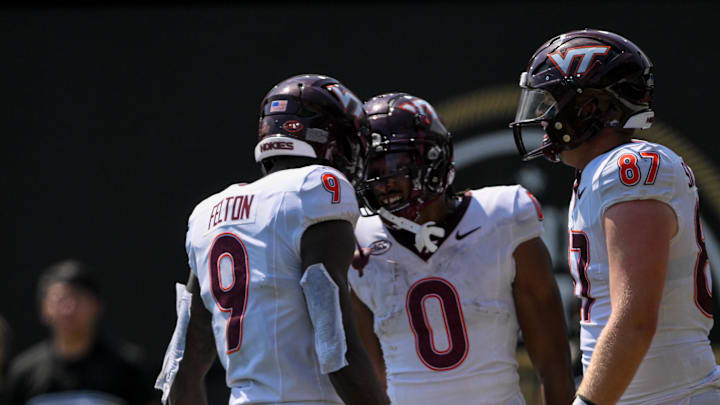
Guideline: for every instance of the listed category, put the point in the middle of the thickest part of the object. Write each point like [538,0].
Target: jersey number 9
[228,253]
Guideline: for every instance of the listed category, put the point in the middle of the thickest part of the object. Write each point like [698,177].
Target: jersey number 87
[579,250]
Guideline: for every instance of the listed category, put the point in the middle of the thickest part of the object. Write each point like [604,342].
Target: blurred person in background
[269,260]
[445,281]
[78,364]
[636,249]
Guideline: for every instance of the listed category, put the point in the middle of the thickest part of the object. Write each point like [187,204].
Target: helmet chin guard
[422,232]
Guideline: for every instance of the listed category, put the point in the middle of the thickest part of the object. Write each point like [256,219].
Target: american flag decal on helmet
[278,106]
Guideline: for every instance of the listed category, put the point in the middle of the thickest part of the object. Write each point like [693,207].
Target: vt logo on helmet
[578,83]
[585,54]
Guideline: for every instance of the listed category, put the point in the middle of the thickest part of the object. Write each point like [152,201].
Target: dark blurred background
[120,118]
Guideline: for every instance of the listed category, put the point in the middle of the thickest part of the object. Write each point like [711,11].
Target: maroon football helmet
[317,117]
[408,140]
[579,83]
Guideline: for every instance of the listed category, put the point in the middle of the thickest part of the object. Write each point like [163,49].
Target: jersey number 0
[442,290]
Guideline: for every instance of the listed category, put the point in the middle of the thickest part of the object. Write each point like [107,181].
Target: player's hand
[360,259]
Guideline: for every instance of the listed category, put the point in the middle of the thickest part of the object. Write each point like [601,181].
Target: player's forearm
[357,383]
[364,322]
[188,389]
[618,354]
[190,397]
[381,374]
[378,363]
[540,314]
[558,385]
[552,362]
[550,356]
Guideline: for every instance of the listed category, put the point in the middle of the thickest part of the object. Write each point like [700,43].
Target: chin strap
[422,232]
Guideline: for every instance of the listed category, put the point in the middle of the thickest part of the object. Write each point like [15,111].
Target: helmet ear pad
[440,171]
[585,116]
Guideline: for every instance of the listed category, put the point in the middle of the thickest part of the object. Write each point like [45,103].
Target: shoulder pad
[637,171]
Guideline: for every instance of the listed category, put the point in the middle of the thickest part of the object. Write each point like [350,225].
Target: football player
[269,263]
[636,247]
[444,281]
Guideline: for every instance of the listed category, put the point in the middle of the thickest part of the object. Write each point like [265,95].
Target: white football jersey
[680,353]
[243,245]
[446,321]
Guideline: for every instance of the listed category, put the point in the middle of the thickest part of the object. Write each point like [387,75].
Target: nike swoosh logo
[461,236]
[580,193]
